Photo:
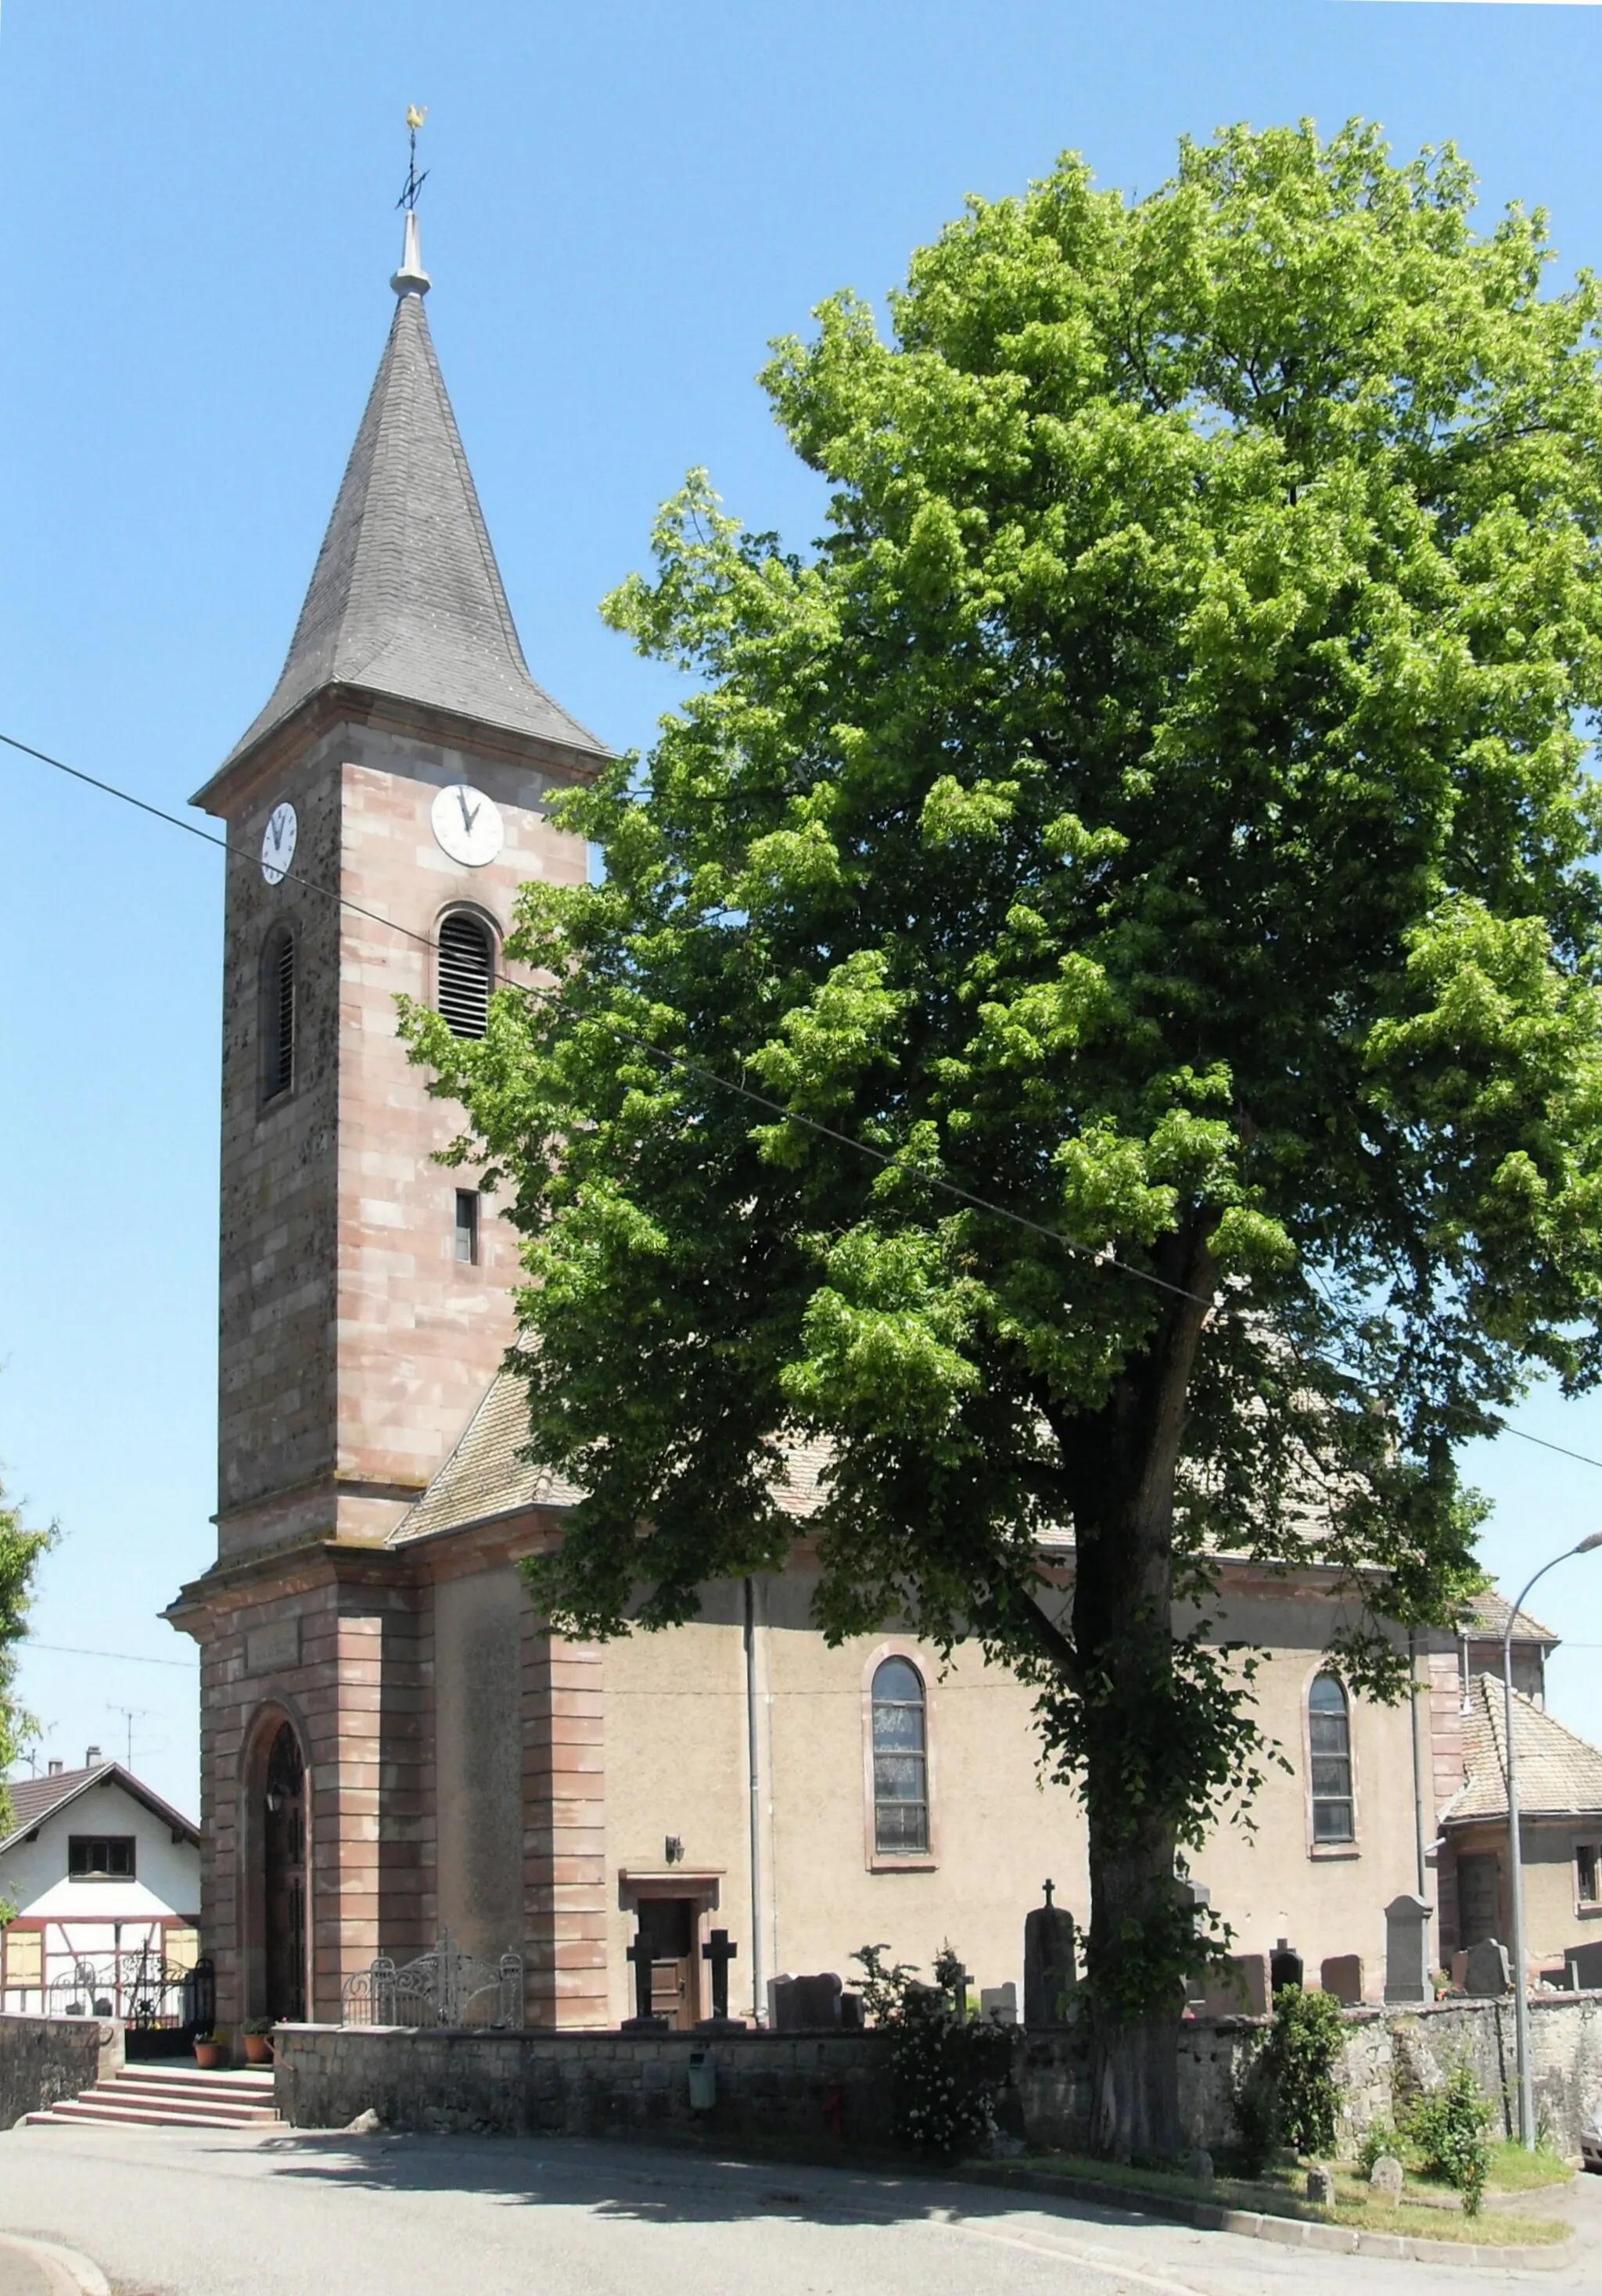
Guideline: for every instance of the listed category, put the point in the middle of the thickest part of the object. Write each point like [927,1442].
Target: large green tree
[1157,808]
[20,1552]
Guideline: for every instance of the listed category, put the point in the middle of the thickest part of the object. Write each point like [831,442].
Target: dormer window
[278,1013]
[466,973]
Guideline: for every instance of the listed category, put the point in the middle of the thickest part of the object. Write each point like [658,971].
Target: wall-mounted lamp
[673,1850]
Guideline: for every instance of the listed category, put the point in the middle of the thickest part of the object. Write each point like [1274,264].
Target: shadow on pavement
[655,2183]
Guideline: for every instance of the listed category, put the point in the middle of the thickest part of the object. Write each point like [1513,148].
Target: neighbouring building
[391,1743]
[106,1883]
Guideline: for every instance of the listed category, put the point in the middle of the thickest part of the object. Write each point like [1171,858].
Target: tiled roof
[484,1477]
[1559,1775]
[407,599]
[33,1799]
[1486,1617]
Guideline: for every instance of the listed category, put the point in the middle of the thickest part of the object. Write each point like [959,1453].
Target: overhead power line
[687,1067]
[130,1658]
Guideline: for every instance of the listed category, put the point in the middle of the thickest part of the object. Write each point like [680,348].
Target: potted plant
[211,2049]
[258,2048]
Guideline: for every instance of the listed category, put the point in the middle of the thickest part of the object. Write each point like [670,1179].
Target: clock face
[278,843]
[466,824]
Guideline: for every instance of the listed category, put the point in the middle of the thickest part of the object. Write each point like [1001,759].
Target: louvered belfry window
[466,971]
[278,1014]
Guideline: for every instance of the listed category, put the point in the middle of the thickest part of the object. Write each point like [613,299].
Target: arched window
[466,973]
[901,1760]
[1329,1743]
[278,1012]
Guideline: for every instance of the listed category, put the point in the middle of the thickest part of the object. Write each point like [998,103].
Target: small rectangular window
[1588,1873]
[100,1857]
[467,1226]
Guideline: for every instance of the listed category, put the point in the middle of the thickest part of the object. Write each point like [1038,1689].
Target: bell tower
[382,812]
[384,806]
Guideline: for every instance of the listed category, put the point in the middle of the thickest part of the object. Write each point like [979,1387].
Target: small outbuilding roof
[1485,1619]
[33,1799]
[1559,1774]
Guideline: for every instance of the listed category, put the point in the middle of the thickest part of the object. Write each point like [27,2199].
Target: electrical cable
[686,1066]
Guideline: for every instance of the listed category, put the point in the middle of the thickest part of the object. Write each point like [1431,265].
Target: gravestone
[718,1953]
[999,2004]
[1321,2187]
[1384,2178]
[1050,1963]
[1199,2165]
[804,2005]
[1342,1974]
[1240,1989]
[1487,1975]
[1285,1965]
[852,2017]
[1407,1949]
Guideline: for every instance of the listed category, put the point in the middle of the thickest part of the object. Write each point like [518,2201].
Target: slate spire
[406,600]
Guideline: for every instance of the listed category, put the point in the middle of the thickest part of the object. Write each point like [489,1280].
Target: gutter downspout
[1420,1843]
[757,1985]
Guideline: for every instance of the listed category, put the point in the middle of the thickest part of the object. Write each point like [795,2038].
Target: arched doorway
[283,1838]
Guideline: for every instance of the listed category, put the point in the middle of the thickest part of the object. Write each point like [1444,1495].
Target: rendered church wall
[1269,1881]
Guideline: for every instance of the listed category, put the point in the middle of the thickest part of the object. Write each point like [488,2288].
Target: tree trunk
[1123,1476]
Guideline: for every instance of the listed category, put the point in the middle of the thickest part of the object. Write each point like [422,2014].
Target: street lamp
[1521,1988]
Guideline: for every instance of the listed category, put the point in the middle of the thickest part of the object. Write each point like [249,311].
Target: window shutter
[466,969]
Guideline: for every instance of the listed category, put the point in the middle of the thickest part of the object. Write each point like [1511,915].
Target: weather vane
[415,118]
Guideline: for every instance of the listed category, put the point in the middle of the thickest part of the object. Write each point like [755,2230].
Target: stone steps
[173,2096]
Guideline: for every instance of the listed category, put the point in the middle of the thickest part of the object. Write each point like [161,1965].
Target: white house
[106,1883]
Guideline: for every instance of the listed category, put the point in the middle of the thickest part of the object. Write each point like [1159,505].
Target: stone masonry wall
[805,2088]
[44,2059]
[812,2087]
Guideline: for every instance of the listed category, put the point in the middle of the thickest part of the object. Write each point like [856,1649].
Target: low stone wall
[44,2059]
[774,2085]
[584,2083]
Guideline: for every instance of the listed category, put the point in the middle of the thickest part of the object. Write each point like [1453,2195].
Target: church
[392,1744]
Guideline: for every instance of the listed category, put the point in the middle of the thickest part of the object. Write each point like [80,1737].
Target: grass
[1515,2170]
[1279,2192]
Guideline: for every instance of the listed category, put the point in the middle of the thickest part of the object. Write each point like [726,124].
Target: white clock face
[466,824]
[278,843]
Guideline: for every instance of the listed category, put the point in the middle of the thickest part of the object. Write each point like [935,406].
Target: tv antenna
[130,1715]
[415,118]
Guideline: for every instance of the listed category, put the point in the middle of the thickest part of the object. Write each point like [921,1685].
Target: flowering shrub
[947,2070]
[1448,2126]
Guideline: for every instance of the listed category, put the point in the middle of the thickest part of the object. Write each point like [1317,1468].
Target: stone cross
[1049,1963]
[639,1953]
[719,1952]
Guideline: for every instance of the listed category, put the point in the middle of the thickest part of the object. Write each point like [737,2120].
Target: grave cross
[1048,1887]
[961,1979]
[639,1953]
[720,1953]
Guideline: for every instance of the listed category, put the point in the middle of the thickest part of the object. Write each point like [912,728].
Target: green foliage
[1449,2128]
[1378,2141]
[20,1552]
[1157,807]
[1305,2048]
[947,2072]
[1286,2096]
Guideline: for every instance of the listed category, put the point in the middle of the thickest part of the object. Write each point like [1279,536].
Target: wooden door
[284,1836]
[1479,1898]
[668,1926]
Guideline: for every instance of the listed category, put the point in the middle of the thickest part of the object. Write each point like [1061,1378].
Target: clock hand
[467,818]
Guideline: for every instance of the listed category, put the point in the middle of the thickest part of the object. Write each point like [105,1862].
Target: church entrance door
[283,1830]
[668,1926]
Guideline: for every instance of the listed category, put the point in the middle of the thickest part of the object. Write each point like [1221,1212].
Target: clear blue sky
[196,229]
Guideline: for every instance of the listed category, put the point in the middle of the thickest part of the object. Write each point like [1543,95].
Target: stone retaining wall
[813,2087]
[584,2083]
[44,2059]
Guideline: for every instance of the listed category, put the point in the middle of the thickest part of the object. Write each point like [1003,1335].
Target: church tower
[381,811]
[383,807]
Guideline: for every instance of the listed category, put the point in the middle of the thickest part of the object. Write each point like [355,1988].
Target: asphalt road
[169,2212]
